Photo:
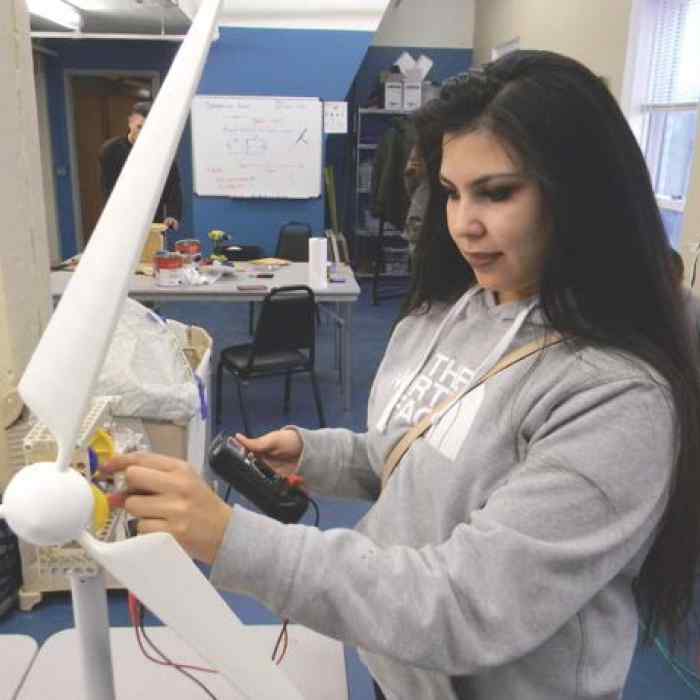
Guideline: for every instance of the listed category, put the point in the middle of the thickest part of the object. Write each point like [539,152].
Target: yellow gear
[101,511]
[103,446]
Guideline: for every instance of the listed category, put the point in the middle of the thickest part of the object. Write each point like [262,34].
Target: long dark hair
[607,278]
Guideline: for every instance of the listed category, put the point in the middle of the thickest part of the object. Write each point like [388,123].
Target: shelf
[374,234]
[367,146]
[375,110]
[370,275]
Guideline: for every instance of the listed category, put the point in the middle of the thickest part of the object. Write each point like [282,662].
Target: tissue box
[393,95]
[412,94]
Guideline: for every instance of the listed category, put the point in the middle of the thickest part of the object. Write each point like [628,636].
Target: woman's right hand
[280,449]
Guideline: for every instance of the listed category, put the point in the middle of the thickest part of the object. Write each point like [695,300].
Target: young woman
[512,550]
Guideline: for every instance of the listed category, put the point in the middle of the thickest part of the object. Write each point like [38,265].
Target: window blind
[675,76]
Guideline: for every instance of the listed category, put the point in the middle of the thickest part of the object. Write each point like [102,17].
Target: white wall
[24,263]
[597,33]
[445,24]
[594,32]
[351,15]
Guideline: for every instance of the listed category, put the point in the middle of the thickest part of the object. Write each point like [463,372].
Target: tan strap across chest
[422,426]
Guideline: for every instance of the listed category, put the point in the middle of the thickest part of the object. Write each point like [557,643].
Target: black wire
[314,505]
[193,678]
[228,493]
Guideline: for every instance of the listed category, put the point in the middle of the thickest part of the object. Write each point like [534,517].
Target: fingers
[149,507]
[144,480]
[257,445]
[149,525]
[143,459]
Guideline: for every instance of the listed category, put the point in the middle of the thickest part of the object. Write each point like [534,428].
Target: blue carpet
[651,678]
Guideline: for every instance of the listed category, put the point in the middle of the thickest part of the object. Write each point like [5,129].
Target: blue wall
[243,61]
[288,63]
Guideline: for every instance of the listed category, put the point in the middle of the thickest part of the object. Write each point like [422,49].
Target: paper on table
[270,261]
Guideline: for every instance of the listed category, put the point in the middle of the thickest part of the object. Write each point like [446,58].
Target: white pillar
[24,262]
[92,624]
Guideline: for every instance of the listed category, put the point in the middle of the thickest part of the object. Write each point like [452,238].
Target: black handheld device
[252,478]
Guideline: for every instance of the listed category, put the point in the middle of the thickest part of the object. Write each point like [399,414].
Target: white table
[17,652]
[315,664]
[343,294]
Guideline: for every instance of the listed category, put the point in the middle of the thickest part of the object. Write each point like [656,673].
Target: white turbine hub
[47,506]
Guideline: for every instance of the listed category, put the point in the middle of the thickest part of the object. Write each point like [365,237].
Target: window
[664,107]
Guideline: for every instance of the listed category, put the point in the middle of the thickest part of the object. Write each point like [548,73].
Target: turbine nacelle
[45,505]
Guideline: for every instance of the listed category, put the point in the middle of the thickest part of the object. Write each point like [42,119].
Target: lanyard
[489,362]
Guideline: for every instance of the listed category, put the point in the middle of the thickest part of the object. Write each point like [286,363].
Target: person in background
[552,508]
[691,301]
[113,155]
[418,189]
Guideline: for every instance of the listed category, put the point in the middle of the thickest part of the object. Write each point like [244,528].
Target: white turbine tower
[50,503]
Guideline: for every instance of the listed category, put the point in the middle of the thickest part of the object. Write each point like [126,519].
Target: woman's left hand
[168,496]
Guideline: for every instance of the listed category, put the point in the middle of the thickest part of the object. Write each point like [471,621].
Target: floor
[651,678]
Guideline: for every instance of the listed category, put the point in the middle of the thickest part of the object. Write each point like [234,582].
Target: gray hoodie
[497,563]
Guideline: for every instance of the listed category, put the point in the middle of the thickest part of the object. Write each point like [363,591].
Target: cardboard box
[412,92]
[154,243]
[393,95]
[414,73]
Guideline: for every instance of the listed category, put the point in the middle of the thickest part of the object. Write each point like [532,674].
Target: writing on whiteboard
[257,147]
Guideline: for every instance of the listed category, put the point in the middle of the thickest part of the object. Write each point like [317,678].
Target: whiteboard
[257,146]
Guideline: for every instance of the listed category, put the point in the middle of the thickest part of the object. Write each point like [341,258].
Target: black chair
[242,253]
[284,344]
[293,245]
[293,242]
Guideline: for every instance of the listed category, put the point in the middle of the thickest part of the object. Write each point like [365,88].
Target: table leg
[346,363]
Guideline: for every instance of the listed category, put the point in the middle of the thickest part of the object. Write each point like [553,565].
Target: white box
[412,92]
[190,441]
[393,95]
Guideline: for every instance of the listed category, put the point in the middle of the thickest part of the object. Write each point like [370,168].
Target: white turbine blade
[59,378]
[163,577]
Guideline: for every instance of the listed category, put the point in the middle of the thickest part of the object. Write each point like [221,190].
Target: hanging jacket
[389,200]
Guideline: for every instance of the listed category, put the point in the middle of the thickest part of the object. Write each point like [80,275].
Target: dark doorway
[101,107]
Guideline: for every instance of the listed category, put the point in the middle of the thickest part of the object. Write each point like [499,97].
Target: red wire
[135,615]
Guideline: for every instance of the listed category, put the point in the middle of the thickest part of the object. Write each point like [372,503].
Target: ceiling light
[56,11]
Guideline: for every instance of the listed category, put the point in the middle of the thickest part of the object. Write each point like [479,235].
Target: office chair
[293,245]
[293,242]
[284,344]
[242,253]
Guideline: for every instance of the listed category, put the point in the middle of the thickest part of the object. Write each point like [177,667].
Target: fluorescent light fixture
[56,11]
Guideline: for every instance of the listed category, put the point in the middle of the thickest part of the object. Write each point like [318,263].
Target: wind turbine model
[49,503]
